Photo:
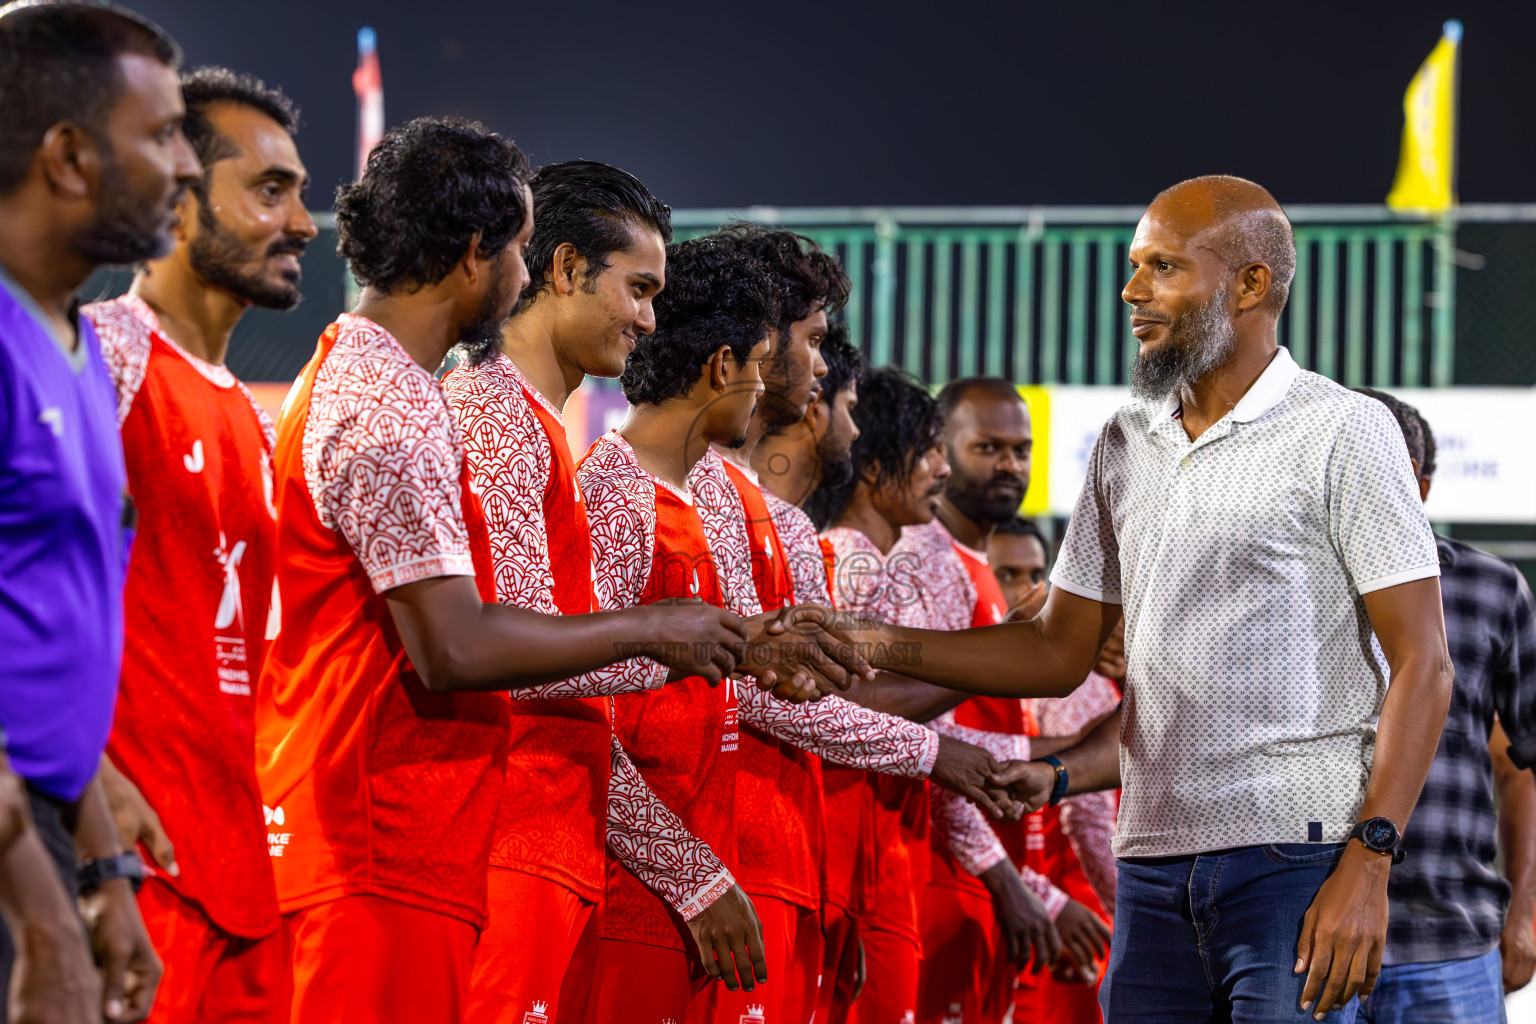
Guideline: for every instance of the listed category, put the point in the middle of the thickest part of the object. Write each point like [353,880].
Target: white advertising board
[1485,466]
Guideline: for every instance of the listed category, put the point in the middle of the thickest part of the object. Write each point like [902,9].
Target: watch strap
[91,875]
[1059,790]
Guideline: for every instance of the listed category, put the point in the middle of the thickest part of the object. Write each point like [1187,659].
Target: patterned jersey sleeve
[1089,562]
[125,346]
[509,460]
[1002,745]
[1055,900]
[652,842]
[1063,716]
[383,462]
[621,510]
[802,550]
[842,732]
[965,831]
[1375,516]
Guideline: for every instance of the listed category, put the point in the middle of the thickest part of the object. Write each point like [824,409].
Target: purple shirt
[63,548]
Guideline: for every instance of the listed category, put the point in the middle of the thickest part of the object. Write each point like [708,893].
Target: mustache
[1143,313]
[291,246]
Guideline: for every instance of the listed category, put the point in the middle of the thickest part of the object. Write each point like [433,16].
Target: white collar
[1264,394]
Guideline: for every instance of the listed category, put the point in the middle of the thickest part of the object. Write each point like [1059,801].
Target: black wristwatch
[91,875]
[1059,790]
[1380,835]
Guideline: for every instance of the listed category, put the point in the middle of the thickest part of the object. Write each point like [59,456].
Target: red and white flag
[368,84]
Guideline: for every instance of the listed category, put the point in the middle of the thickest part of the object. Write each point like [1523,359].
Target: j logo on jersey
[194,462]
[537,1014]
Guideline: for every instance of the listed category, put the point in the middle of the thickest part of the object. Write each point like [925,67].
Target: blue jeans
[1469,991]
[1212,937]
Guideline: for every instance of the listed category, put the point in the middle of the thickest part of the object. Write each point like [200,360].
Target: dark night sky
[806,103]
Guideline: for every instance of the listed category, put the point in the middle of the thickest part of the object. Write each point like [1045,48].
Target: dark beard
[129,228]
[977,505]
[836,467]
[218,257]
[776,411]
[1198,342]
[481,337]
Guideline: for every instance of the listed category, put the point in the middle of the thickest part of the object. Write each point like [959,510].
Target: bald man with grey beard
[1257,524]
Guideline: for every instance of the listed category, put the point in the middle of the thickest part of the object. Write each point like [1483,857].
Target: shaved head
[1242,225]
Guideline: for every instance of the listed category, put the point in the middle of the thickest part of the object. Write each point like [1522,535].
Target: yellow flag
[1426,167]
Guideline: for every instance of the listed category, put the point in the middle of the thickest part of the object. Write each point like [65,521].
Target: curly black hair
[715,295]
[202,87]
[595,207]
[809,278]
[844,362]
[898,421]
[431,185]
[59,62]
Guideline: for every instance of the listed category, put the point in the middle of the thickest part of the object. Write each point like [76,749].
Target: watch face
[1380,834]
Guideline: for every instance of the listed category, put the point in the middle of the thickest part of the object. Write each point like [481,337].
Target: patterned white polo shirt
[1253,682]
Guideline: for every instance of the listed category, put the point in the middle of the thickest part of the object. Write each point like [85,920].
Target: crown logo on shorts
[539,1007]
[753,1014]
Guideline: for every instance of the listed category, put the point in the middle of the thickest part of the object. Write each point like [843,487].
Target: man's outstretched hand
[966,769]
[798,653]
[728,938]
[694,638]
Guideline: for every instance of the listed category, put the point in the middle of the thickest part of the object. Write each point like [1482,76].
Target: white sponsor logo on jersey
[53,416]
[277,842]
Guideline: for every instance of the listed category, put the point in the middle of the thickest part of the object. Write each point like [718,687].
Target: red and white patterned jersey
[649,545]
[377,785]
[198,451]
[802,550]
[957,823]
[1087,819]
[554,813]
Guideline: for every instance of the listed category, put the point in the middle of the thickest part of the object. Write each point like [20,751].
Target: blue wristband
[1060,789]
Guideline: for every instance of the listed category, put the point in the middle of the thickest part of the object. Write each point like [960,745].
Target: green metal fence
[1033,294]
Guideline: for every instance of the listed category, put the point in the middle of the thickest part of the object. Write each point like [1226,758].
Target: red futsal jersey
[778,785]
[199,456]
[378,786]
[648,544]
[553,819]
[867,583]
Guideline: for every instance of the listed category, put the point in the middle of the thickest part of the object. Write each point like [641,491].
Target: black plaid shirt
[1447,902]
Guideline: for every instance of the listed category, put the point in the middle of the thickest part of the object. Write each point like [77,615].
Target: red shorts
[965,975]
[790,935]
[211,976]
[636,983]
[371,958]
[839,964]
[528,942]
[891,963]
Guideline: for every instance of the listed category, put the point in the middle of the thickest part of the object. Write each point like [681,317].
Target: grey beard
[1198,342]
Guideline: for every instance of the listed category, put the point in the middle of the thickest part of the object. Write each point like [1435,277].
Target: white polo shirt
[1253,682]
